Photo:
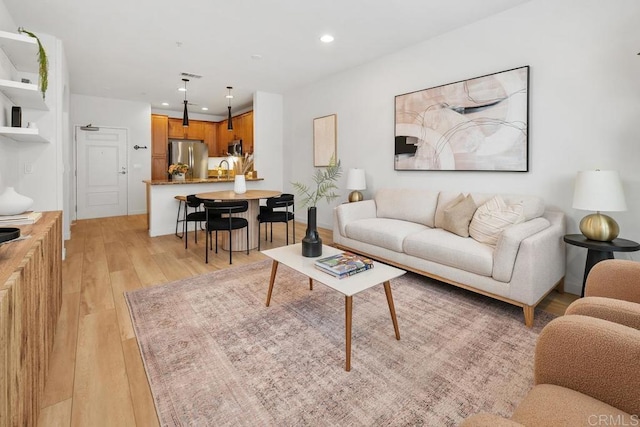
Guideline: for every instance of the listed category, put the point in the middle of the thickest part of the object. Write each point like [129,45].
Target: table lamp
[599,191]
[356,181]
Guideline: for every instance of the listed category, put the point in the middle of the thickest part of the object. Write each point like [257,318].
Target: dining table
[239,242]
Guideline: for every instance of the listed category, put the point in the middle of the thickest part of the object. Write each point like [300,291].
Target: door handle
[122,173]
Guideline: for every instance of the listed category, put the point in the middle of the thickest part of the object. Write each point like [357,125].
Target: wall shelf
[22,134]
[22,51]
[25,95]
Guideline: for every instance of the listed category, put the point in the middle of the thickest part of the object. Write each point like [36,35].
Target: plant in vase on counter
[243,165]
[178,168]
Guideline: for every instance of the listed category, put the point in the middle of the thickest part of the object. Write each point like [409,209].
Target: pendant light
[185,114]
[229,122]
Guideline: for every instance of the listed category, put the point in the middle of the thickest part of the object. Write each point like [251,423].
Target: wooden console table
[30,300]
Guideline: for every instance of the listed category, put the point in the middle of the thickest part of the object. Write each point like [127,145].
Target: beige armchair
[612,292]
[587,373]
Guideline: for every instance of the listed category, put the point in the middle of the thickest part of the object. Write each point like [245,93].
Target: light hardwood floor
[96,375]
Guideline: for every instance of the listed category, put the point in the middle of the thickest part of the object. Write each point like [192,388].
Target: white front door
[101,179]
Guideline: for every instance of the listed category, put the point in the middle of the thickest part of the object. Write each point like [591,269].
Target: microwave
[235,148]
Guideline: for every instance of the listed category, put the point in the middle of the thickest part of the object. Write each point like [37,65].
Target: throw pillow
[458,214]
[492,218]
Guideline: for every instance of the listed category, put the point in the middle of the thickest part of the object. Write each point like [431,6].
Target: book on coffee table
[344,264]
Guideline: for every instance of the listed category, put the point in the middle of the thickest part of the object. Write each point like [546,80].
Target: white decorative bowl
[12,203]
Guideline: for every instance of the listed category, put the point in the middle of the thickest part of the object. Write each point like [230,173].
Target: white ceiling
[136,49]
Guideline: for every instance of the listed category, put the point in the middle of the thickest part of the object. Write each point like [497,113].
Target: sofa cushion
[446,248]
[532,206]
[458,214]
[492,218]
[413,205]
[384,232]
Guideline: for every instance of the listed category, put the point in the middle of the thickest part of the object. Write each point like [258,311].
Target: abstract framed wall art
[480,124]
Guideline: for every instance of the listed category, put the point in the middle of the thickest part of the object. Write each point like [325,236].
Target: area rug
[216,355]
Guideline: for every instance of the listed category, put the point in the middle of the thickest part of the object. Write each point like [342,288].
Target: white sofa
[403,227]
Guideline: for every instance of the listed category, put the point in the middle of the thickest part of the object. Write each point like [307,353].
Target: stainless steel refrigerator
[194,154]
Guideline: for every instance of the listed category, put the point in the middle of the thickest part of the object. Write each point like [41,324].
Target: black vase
[311,243]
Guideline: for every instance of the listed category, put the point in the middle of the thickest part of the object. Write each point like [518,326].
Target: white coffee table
[291,256]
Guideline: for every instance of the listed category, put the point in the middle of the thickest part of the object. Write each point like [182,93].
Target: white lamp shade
[356,179]
[599,191]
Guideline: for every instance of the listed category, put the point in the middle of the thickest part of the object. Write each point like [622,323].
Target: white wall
[584,105]
[8,167]
[136,118]
[267,144]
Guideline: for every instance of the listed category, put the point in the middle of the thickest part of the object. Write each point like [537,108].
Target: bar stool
[190,201]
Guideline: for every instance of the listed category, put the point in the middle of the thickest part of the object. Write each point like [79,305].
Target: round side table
[598,251]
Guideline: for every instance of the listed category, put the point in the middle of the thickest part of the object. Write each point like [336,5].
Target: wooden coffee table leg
[348,306]
[274,269]
[310,284]
[392,309]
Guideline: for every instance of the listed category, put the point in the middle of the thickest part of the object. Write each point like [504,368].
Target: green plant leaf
[325,185]
[43,62]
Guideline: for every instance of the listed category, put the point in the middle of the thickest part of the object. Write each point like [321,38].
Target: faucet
[227,162]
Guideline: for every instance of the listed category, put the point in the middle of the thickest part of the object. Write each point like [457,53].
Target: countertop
[194,181]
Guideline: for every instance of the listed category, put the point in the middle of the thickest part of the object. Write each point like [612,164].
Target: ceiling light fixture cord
[229,122]
[185,114]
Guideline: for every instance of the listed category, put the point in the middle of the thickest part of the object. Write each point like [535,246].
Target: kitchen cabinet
[195,130]
[245,130]
[224,136]
[242,129]
[164,128]
[22,53]
[211,138]
[176,130]
[159,142]
[215,135]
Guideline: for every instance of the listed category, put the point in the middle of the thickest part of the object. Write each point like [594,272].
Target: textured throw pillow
[458,214]
[493,217]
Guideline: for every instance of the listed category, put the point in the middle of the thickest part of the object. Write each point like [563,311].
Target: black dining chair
[198,216]
[215,221]
[278,209]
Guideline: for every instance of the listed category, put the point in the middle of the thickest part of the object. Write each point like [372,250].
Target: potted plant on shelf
[43,62]
[325,186]
[177,171]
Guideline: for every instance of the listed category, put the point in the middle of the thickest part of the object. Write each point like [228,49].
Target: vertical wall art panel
[324,140]
[478,124]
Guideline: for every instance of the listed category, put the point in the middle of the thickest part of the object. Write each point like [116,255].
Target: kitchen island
[162,206]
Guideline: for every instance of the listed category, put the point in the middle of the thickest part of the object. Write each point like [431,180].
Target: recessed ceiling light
[256,56]
[327,38]
[205,109]
[165,103]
